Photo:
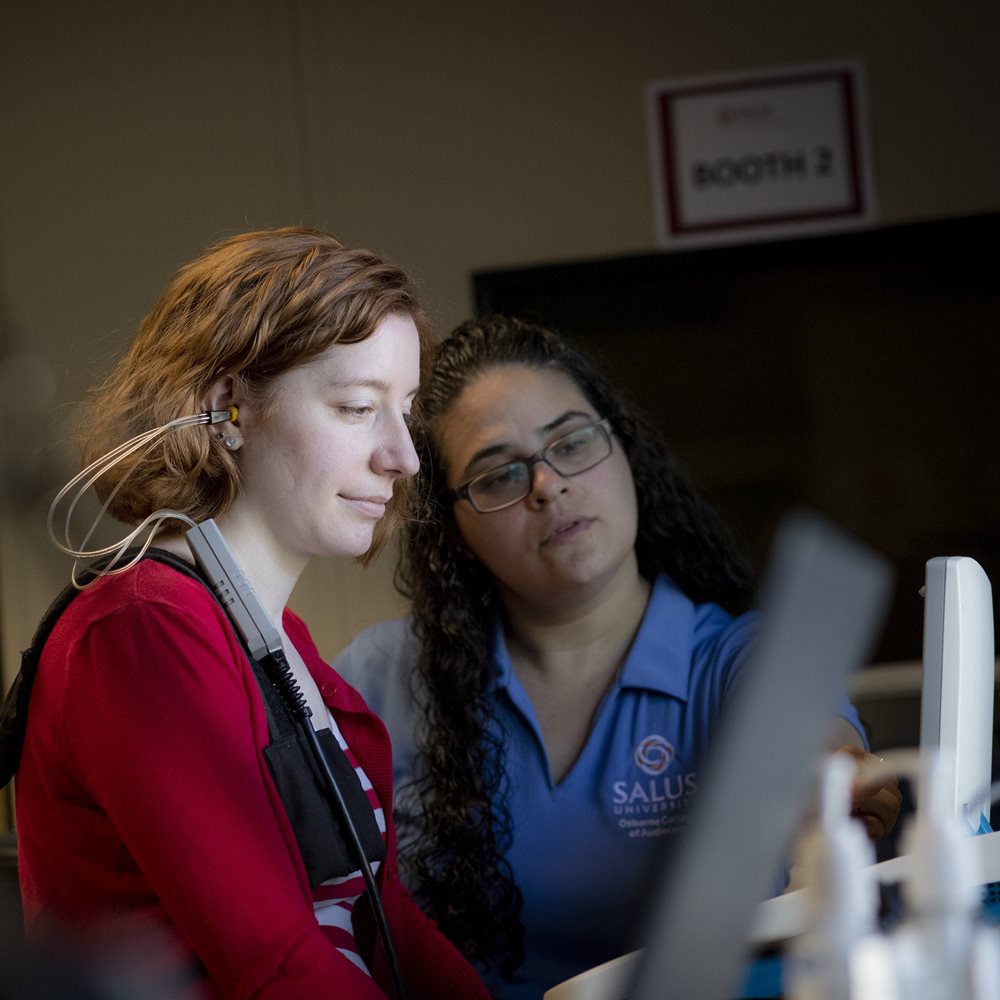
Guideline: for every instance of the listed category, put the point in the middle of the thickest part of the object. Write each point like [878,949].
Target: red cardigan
[144,804]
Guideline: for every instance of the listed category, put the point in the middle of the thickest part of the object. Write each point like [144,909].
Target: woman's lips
[370,506]
[567,531]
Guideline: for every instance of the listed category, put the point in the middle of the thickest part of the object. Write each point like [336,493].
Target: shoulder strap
[14,711]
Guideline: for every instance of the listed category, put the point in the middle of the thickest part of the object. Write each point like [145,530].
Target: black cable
[286,684]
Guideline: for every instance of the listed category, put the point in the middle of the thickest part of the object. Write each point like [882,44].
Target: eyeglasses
[579,450]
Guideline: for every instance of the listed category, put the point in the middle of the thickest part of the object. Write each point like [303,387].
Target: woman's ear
[223,394]
[220,394]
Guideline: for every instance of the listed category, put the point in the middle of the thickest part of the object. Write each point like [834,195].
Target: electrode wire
[142,443]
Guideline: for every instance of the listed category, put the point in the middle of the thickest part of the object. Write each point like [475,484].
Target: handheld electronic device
[215,559]
[263,641]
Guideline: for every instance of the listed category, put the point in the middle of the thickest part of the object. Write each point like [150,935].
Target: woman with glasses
[578,624]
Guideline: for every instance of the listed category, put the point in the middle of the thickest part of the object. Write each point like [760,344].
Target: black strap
[14,711]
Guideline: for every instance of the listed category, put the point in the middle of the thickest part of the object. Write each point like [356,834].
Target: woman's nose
[397,455]
[546,484]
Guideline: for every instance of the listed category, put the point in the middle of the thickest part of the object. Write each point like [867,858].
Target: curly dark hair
[457,843]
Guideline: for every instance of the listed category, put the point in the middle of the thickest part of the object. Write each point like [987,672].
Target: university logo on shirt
[654,755]
[654,801]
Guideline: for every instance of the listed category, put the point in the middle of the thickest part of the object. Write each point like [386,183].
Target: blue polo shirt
[584,850]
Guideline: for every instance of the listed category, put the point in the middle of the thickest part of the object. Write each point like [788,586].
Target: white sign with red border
[760,154]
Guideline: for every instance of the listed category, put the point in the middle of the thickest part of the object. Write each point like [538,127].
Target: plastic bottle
[840,950]
[939,947]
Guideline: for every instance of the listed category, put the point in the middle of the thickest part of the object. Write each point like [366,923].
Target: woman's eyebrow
[365,382]
[504,447]
[562,418]
[361,382]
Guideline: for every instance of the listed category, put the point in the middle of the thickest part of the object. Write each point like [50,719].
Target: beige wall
[449,136]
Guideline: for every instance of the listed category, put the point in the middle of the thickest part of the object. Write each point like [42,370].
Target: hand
[875,798]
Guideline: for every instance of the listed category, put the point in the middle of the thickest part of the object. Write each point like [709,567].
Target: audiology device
[236,595]
[215,559]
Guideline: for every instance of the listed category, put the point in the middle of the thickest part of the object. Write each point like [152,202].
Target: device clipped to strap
[291,756]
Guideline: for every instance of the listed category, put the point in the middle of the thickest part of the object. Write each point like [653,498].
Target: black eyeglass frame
[461,492]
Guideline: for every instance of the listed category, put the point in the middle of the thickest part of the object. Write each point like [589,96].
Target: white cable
[86,478]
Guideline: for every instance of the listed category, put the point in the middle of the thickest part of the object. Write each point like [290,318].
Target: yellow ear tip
[234,412]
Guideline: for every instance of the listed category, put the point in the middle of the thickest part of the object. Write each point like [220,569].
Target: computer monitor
[956,707]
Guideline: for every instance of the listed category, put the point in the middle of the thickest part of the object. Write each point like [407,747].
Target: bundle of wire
[84,480]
